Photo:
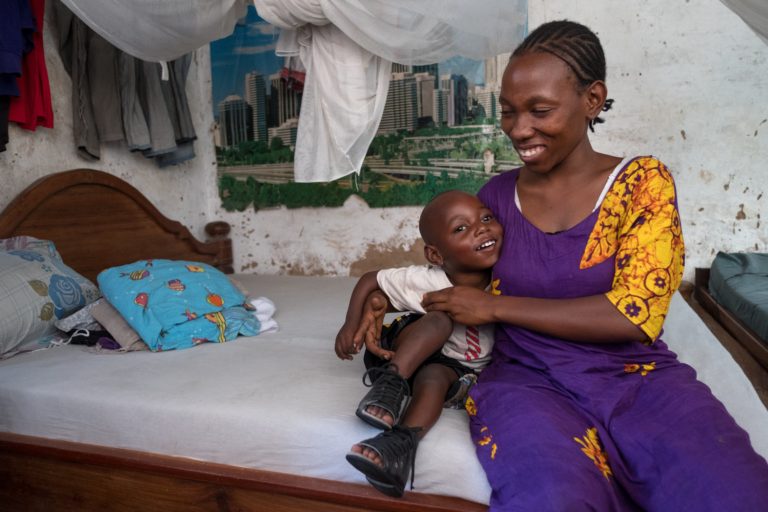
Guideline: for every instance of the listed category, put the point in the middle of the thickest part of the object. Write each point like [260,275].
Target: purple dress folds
[561,425]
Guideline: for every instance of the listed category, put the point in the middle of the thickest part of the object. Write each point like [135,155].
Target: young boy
[425,355]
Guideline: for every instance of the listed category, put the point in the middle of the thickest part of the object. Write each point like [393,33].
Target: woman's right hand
[464,304]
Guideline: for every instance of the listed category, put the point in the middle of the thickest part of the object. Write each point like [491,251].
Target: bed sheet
[281,401]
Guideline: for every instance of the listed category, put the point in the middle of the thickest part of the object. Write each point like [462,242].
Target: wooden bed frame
[743,334]
[97,221]
[729,332]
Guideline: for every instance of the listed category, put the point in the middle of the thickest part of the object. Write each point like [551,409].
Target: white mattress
[280,401]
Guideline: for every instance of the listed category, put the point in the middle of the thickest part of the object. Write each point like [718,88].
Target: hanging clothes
[73,50]
[5,103]
[104,79]
[118,97]
[17,28]
[175,94]
[33,108]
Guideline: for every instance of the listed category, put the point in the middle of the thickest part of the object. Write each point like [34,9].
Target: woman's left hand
[464,304]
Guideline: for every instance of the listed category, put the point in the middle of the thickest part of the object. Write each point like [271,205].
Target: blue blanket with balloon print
[178,304]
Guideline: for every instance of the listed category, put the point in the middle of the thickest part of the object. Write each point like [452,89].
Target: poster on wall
[440,128]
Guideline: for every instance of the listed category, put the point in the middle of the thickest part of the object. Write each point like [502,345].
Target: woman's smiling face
[543,110]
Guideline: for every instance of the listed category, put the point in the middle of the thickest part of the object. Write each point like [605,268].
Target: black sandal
[397,450]
[389,391]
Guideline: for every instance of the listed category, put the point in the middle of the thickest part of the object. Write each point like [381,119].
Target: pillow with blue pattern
[36,290]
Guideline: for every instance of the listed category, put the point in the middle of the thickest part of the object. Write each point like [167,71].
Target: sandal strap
[374,373]
[388,389]
[397,450]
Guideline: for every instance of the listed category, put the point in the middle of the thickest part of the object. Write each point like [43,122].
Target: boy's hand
[374,309]
[346,343]
[349,341]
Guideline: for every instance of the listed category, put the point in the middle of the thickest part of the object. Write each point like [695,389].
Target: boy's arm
[348,340]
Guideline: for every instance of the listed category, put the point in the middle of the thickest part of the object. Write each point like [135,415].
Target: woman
[583,406]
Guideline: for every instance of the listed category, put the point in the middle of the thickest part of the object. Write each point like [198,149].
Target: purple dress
[561,425]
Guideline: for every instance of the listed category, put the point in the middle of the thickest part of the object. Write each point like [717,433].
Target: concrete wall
[185,192]
[690,82]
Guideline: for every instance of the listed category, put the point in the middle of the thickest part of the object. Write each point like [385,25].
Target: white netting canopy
[159,30]
[348,48]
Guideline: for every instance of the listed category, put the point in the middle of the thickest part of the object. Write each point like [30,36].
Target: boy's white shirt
[405,287]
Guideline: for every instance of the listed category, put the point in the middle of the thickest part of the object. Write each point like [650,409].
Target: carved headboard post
[218,231]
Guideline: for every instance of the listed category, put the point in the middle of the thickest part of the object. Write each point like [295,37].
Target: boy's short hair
[430,209]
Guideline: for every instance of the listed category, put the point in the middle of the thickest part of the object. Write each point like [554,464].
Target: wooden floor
[755,372]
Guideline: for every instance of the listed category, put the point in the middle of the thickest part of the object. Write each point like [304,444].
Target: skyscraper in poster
[256,97]
[234,121]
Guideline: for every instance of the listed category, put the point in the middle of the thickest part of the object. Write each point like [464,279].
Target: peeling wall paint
[689,79]
[349,240]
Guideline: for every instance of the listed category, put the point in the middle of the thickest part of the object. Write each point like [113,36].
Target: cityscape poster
[448,136]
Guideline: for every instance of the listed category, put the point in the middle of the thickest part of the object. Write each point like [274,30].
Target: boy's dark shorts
[388,335]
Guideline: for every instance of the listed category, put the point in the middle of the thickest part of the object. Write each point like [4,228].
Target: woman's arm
[639,226]
[585,319]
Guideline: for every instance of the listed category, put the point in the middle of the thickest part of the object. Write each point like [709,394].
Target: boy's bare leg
[413,346]
[429,388]
[420,340]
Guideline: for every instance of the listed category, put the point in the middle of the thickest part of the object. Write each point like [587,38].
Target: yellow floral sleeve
[639,223]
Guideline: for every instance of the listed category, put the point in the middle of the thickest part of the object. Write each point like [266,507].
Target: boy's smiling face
[462,233]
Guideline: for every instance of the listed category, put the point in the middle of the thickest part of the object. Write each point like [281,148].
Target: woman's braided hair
[577,46]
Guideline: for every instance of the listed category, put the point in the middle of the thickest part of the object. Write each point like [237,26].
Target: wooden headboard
[98,221]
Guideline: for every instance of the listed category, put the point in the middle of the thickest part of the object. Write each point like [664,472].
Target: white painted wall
[690,81]
[186,192]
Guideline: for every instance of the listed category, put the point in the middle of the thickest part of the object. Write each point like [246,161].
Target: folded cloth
[80,319]
[264,309]
[177,304]
[128,339]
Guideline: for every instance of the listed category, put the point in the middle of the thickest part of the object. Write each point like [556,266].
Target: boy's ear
[433,255]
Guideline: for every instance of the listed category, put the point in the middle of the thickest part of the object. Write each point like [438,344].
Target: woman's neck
[565,195]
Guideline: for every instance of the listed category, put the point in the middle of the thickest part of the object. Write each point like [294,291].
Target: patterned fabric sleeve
[640,224]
